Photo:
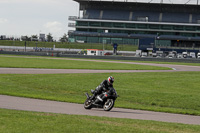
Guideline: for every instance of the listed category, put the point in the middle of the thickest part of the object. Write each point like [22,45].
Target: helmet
[110,80]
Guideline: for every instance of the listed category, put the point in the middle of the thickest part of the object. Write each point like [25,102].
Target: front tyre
[88,104]
[109,104]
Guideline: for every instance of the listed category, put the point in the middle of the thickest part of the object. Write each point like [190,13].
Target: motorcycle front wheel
[88,104]
[109,104]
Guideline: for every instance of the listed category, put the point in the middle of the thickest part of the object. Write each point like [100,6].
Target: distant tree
[25,38]
[34,38]
[49,37]
[64,38]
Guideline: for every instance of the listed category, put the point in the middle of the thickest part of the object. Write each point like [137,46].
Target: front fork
[87,95]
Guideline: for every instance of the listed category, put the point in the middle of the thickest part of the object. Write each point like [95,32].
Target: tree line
[48,38]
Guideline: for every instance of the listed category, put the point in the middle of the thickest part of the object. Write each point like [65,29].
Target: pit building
[151,25]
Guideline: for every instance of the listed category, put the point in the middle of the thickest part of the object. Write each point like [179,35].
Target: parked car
[198,55]
[185,54]
[192,54]
[144,54]
[107,53]
[179,55]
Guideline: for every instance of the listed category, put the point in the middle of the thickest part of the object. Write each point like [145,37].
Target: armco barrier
[59,54]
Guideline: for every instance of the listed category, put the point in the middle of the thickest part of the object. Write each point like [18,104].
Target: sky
[32,17]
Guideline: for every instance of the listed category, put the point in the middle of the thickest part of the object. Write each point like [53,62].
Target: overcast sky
[32,17]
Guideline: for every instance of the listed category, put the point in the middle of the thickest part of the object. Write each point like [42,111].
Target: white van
[198,55]
[144,54]
[192,55]
[185,54]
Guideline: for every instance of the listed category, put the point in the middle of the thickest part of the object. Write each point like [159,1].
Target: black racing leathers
[103,87]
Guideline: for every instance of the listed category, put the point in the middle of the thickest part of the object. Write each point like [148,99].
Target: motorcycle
[105,100]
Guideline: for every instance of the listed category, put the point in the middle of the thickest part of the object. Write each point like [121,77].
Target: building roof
[94,50]
[186,2]
[140,6]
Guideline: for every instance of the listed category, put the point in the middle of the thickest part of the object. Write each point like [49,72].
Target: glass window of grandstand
[153,26]
[82,23]
[130,41]
[92,40]
[96,24]
[187,34]
[141,26]
[178,27]
[81,29]
[81,38]
[92,30]
[105,40]
[141,32]
[163,43]
[100,30]
[167,33]
[117,40]
[130,26]
[121,25]
[198,28]
[167,27]
[106,24]
[190,28]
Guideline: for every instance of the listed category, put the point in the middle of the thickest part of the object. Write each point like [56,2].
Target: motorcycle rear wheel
[109,104]
[88,104]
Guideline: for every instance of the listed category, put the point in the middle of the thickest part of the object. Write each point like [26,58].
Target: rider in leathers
[105,86]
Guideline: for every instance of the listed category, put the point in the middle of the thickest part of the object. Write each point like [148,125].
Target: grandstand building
[151,26]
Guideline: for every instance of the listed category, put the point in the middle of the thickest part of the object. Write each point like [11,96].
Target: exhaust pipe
[87,95]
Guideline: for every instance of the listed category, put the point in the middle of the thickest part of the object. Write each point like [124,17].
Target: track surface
[10,102]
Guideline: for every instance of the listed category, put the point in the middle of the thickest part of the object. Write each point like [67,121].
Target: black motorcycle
[105,100]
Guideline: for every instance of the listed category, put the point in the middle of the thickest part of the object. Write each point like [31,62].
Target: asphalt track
[27,104]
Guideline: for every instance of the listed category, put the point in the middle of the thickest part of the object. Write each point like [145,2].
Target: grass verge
[65,58]
[64,63]
[174,92]
[12,121]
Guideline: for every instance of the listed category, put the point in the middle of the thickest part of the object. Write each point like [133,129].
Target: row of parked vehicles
[170,54]
[173,54]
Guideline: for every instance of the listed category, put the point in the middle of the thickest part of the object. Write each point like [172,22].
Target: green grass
[65,58]
[64,63]
[172,63]
[12,121]
[175,92]
[121,47]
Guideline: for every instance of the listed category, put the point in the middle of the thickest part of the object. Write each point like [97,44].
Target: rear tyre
[88,104]
[109,104]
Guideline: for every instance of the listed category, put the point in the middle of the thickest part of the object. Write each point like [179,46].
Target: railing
[71,31]
[72,18]
[73,25]
[188,2]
